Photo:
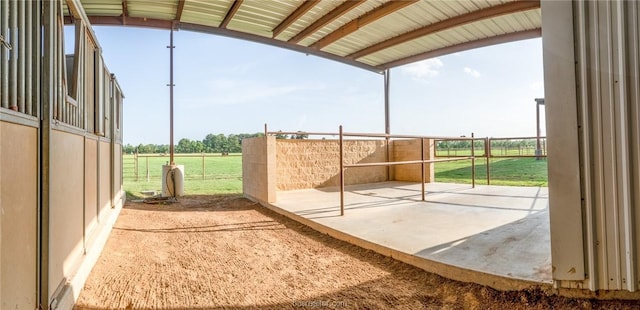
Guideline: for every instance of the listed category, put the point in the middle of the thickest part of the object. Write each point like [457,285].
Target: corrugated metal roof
[372,34]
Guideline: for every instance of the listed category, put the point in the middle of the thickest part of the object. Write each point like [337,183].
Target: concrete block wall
[258,168]
[315,163]
[404,150]
[270,165]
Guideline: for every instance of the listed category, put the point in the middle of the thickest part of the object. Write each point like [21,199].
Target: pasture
[216,174]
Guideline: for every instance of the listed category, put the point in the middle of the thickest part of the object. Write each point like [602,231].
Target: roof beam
[503,38]
[490,12]
[125,11]
[276,43]
[362,21]
[131,21]
[327,18]
[301,10]
[179,10]
[232,11]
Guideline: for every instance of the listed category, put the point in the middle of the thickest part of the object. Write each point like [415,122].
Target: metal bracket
[5,43]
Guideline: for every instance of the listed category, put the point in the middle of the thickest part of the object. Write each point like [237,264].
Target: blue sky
[229,86]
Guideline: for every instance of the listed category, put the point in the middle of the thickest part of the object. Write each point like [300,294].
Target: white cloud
[302,121]
[537,85]
[232,91]
[423,69]
[472,72]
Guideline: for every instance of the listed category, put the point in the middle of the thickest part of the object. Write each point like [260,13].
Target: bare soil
[226,252]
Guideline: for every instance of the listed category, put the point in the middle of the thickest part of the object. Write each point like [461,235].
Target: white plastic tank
[172,180]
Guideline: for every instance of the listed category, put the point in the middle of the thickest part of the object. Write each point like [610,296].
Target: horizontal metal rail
[190,155]
[406,162]
[362,135]
[422,161]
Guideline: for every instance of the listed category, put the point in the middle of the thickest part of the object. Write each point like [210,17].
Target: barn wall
[90,184]
[18,219]
[66,206]
[104,185]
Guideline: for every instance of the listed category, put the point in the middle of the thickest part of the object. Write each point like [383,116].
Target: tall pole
[387,122]
[171,85]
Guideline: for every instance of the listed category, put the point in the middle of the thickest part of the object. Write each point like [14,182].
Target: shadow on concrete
[510,245]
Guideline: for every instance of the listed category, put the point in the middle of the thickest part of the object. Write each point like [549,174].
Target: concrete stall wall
[66,209]
[315,163]
[258,168]
[18,219]
[104,186]
[404,150]
[118,192]
[90,184]
[592,90]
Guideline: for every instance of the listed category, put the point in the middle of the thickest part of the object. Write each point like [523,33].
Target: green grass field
[503,171]
[223,174]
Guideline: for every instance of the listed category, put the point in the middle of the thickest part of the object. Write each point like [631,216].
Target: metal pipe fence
[147,167]
[511,147]
[343,166]
[20,53]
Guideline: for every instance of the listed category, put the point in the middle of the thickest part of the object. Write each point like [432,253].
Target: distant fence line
[495,147]
[137,167]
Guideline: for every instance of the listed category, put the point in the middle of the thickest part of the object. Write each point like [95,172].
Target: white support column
[592,91]
[565,209]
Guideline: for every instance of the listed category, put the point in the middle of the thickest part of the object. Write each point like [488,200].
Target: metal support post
[387,119]
[539,101]
[341,174]
[422,166]
[487,153]
[473,163]
[171,85]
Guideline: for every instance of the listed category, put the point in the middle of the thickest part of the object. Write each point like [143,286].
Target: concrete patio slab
[492,235]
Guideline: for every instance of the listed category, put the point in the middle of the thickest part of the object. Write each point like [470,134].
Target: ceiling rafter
[301,10]
[503,38]
[277,43]
[179,10]
[362,21]
[125,11]
[327,18]
[232,12]
[490,12]
[131,21]
[168,24]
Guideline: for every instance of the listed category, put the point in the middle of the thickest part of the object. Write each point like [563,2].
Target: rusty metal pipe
[36,48]
[422,166]
[341,173]
[171,146]
[4,54]
[21,56]
[487,154]
[29,58]
[13,59]
[473,163]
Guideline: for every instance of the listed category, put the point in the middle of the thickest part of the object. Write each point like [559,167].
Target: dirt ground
[226,252]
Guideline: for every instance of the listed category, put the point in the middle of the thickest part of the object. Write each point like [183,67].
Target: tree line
[212,143]
[466,144]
